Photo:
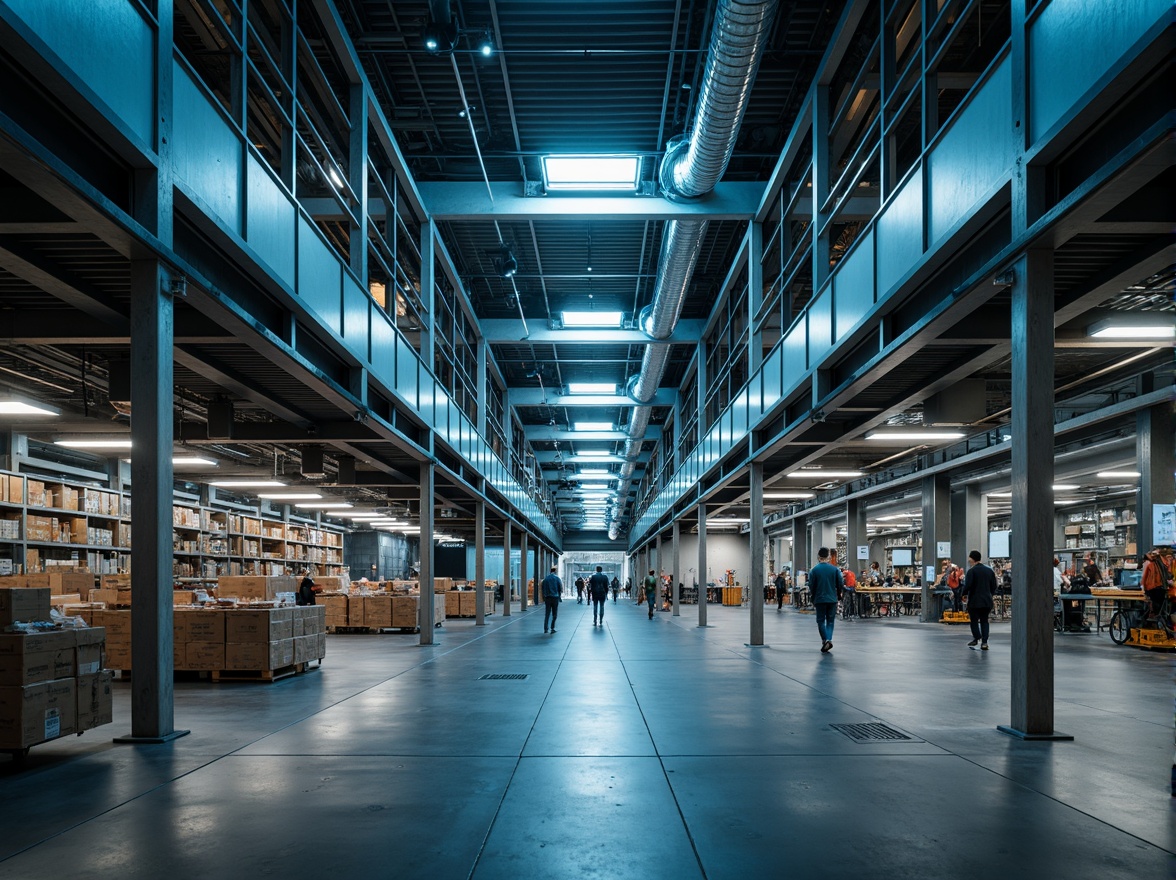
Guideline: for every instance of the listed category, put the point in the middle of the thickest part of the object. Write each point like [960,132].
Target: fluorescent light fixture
[592,426]
[818,473]
[784,496]
[192,461]
[245,484]
[586,388]
[1064,487]
[604,472]
[93,444]
[592,319]
[12,407]
[1134,326]
[1116,475]
[591,173]
[365,514]
[894,516]
[336,177]
[289,496]
[1000,494]
[325,505]
[592,486]
[600,455]
[726,520]
[915,435]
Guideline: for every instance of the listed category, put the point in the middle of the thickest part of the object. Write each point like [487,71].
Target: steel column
[427,612]
[1154,452]
[1032,688]
[479,563]
[756,577]
[506,539]
[523,567]
[856,534]
[702,575]
[936,528]
[675,539]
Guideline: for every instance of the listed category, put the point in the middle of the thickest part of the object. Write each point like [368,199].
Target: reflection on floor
[645,749]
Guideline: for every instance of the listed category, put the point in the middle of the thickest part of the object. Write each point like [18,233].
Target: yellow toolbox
[954,617]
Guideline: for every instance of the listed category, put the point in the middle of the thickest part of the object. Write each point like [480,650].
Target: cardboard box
[355,608]
[259,656]
[90,650]
[255,586]
[117,624]
[334,610]
[118,655]
[377,611]
[183,598]
[80,582]
[204,627]
[299,623]
[438,608]
[258,625]
[404,611]
[453,603]
[95,700]
[115,581]
[315,619]
[179,655]
[303,645]
[442,585]
[35,657]
[204,656]
[111,598]
[38,712]
[24,604]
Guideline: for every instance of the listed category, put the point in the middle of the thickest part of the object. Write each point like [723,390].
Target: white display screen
[902,556]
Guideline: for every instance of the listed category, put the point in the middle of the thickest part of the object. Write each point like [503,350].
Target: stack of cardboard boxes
[379,610]
[52,682]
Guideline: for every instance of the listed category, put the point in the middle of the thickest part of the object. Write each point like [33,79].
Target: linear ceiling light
[894,516]
[592,319]
[586,388]
[726,520]
[592,426]
[915,435]
[245,484]
[597,455]
[192,461]
[591,173]
[1134,327]
[1115,475]
[604,473]
[784,496]
[10,406]
[93,444]
[289,496]
[325,505]
[818,473]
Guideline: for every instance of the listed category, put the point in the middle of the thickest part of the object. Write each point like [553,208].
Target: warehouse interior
[471,290]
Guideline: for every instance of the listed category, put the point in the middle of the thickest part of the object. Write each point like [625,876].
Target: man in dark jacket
[979,587]
[825,583]
[306,590]
[552,590]
[598,589]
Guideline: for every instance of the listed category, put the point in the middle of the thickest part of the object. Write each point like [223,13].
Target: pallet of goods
[53,681]
[377,612]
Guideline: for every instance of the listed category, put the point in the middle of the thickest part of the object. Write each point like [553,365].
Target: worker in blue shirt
[825,585]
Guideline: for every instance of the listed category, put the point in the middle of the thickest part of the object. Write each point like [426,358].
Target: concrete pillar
[1032,691]
[152,336]
[756,576]
[855,535]
[936,529]
[1154,452]
[479,563]
[969,523]
[800,546]
[677,563]
[703,578]
[824,534]
[506,539]
[426,612]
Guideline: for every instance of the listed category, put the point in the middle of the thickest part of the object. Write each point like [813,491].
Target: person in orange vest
[954,584]
[849,594]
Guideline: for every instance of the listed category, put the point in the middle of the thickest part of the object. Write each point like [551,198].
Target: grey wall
[392,554]
[723,550]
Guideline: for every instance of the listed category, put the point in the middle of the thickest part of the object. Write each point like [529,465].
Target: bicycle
[1123,621]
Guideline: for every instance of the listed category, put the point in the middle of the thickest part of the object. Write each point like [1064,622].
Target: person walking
[781,590]
[650,585]
[552,592]
[579,590]
[979,588]
[616,588]
[826,583]
[598,592]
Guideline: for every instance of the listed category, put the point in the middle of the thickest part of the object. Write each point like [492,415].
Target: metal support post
[479,563]
[936,530]
[675,537]
[755,576]
[702,577]
[523,568]
[506,569]
[426,614]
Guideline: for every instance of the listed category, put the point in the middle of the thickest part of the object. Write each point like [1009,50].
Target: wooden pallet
[264,674]
[370,630]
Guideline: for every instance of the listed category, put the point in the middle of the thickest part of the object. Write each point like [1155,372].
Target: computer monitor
[1129,578]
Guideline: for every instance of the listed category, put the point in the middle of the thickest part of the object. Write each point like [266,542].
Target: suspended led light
[1064,487]
[505,264]
[592,319]
[1136,326]
[289,496]
[785,496]
[192,461]
[592,388]
[727,520]
[818,473]
[245,484]
[884,435]
[1118,475]
[11,406]
[605,173]
[336,177]
[94,444]
[325,505]
[592,426]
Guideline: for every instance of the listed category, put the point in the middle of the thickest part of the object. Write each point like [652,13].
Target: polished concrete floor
[646,749]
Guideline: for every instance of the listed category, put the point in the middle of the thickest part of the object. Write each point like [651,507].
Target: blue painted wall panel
[356,306]
[271,226]
[108,46]
[407,368]
[853,286]
[820,327]
[795,351]
[1073,43]
[899,232]
[974,155]
[206,152]
[319,277]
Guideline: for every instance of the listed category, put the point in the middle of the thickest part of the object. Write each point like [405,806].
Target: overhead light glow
[191,461]
[245,484]
[604,472]
[894,516]
[726,520]
[784,496]
[325,505]
[11,407]
[289,496]
[1118,475]
[591,173]
[591,486]
[592,426]
[1163,327]
[592,319]
[588,388]
[336,177]
[596,455]
[94,444]
[915,435]
[1064,487]
[365,514]
[1000,494]
[818,473]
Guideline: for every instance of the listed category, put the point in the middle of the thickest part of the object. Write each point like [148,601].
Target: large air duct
[691,167]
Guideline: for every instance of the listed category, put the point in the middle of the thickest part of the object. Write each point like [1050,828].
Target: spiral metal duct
[691,167]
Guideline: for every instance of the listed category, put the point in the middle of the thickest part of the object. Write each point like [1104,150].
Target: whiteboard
[901,556]
[998,545]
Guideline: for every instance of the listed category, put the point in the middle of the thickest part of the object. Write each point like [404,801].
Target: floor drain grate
[873,731]
[502,676]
